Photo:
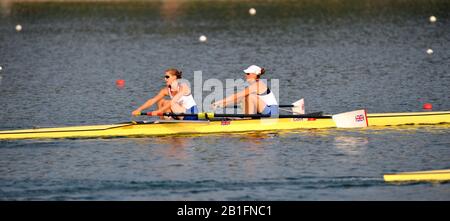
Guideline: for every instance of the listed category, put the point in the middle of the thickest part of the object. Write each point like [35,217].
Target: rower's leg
[245,103]
[177,108]
[254,104]
[162,103]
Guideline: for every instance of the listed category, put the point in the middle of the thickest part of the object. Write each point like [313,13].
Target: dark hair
[262,72]
[175,72]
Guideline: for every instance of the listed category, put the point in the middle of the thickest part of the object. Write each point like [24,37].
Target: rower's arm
[184,90]
[165,108]
[233,99]
[152,101]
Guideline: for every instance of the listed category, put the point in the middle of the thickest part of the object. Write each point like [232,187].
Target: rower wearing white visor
[257,96]
[181,100]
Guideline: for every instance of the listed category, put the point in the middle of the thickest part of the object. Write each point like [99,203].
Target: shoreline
[72,1]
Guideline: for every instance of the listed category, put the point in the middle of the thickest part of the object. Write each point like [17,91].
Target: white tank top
[268,97]
[186,101]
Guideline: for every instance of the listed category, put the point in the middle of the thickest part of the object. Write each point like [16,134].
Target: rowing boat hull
[419,176]
[203,127]
[164,128]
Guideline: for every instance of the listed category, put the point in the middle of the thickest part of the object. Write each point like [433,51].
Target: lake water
[61,69]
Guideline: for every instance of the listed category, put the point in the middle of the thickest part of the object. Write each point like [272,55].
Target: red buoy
[120,83]
[427,106]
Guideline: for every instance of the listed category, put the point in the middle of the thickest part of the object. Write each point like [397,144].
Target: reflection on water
[407,129]
[175,148]
[351,145]
[170,147]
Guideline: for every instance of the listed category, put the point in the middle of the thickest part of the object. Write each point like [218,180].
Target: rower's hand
[136,113]
[213,106]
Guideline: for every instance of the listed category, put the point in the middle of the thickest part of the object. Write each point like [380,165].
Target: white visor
[253,70]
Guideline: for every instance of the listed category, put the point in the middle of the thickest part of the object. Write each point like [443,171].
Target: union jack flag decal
[359,117]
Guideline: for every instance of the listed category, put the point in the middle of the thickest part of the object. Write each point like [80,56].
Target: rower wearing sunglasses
[181,98]
[257,96]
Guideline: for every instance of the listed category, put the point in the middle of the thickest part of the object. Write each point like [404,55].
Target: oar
[281,105]
[206,115]
[298,107]
[351,119]
[295,104]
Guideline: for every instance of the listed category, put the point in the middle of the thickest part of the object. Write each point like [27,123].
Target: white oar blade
[353,119]
[299,107]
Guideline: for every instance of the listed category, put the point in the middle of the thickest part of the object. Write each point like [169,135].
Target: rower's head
[253,72]
[171,75]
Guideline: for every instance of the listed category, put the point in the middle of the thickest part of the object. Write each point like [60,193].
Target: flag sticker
[352,119]
[359,118]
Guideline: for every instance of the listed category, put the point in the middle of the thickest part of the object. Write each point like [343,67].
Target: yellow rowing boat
[160,128]
[431,175]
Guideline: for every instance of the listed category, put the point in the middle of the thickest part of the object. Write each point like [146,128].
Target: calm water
[339,55]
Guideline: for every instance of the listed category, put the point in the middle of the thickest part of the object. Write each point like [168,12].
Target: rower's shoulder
[259,84]
[184,86]
[164,91]
[262,81]
[183,83]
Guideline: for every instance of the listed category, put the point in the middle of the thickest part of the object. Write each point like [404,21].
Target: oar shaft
[213,115]
[281,105]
